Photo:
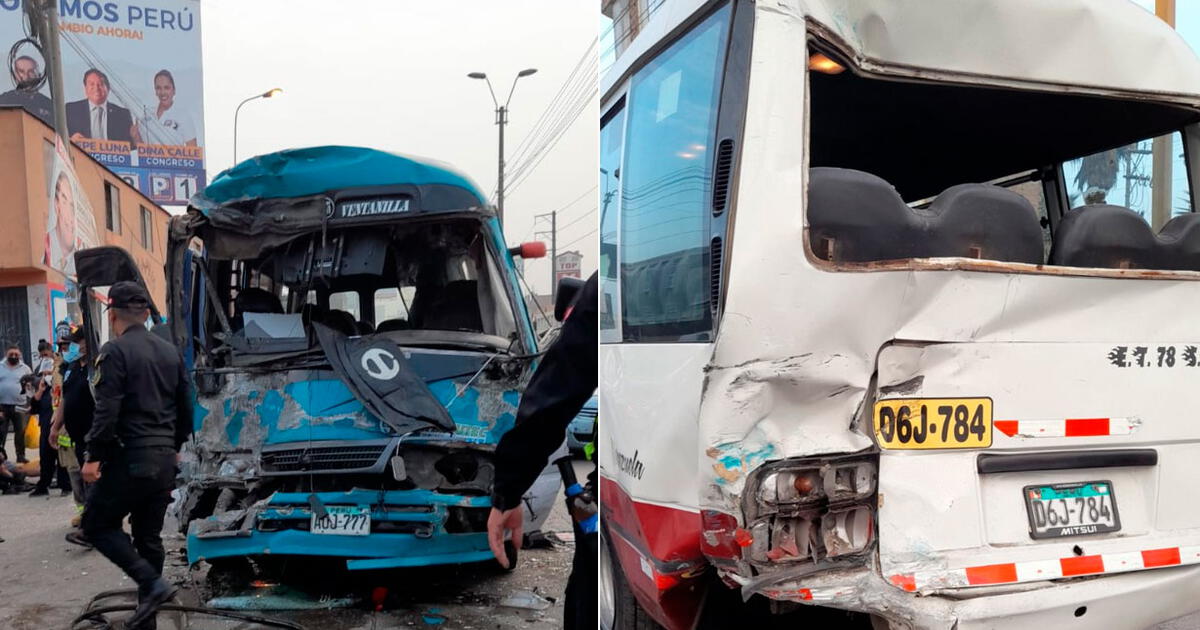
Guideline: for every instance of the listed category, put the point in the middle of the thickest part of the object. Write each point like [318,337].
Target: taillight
[720,536]
[847,531]
[792,487]
[810,509]
[854,481]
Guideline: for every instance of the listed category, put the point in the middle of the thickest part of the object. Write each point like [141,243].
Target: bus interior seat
[454,307]
[1183,232]
[854,216]
[1115,237]
[341,321]
[389,325]
[365,327]
[253,300]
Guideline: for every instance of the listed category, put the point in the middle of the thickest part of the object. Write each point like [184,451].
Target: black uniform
[77,404]
[143,415]
[563,382]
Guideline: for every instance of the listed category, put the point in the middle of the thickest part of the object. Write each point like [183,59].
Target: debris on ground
[527,600]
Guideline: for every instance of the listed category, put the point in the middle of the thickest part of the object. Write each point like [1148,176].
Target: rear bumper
[1127,601]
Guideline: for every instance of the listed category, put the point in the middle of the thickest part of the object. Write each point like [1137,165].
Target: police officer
[143,415]
[559,388]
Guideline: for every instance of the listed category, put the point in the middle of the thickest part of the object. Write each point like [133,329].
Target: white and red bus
[898,311]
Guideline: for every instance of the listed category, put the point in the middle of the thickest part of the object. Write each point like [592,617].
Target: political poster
[133,87]
[71,224]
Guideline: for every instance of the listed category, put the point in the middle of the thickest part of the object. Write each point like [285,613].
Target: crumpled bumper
[278,526]
[1126,601]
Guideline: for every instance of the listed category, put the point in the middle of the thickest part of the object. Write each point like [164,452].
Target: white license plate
[342,521]
[1071,509]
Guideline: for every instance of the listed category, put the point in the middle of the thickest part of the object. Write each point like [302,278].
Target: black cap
[75,335]
[127,294]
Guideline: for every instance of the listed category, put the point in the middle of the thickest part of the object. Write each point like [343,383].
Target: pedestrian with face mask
[12,397]
[42,406]
[72,420]
[143,415]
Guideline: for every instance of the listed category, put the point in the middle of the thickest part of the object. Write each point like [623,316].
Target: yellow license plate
[912,423]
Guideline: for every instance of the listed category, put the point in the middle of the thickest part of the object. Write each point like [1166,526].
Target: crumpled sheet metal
[1111,44]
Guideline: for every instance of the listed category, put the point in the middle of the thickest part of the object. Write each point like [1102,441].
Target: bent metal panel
[133,85]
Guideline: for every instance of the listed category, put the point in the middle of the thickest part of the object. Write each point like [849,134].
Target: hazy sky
[391,75]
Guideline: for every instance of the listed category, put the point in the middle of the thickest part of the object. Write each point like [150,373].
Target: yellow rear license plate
[912,423]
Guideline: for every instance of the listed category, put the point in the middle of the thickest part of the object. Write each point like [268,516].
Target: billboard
[133,85]
[568,265]
[71,224]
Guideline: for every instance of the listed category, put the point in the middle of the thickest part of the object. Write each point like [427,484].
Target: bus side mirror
[532,249]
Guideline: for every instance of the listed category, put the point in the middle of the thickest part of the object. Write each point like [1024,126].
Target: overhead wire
[572,100]
[554,103]
[572,242]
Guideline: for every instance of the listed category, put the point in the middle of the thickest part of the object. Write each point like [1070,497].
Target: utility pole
[501,121]
[552,235]
[43,15]
[1160,171]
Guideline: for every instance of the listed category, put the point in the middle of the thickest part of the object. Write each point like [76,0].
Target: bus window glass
[610,161]
[666,186]
[1123,177]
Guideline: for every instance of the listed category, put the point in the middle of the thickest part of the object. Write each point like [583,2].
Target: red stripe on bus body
[1083,565]
[1079,427]
[1160,557]
[992,574]
[1007,427]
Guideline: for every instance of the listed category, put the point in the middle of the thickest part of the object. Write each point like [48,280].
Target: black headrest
[256,300]
[392,324]
[1114,237]
[455,307]
[341,321]
[862,218]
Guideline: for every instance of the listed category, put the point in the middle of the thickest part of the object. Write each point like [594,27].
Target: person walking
[12,397]
[557,391]
[143,415]
[42,405]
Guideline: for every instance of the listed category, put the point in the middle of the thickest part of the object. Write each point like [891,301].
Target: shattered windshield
[420,283]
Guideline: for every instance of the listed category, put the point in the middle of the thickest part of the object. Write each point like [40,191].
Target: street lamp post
[501,120]
[268,94]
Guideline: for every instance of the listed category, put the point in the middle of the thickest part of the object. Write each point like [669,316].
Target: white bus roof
[1105,45]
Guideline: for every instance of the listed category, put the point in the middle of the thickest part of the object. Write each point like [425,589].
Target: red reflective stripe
[906,582]
[1160,557]
[1082,565]
[1007,427]
[806,594]
[1078,427]
[992,574]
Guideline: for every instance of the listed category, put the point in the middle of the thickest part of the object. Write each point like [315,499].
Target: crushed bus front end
[358,347]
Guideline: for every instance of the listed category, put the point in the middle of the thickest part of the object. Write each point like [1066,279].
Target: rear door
[1017,462]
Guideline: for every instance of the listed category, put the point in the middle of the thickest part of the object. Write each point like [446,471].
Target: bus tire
[619,609]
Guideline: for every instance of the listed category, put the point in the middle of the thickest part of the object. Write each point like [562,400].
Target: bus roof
[1110,46]
[316,170]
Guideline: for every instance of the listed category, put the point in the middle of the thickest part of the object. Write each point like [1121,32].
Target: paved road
[45,582]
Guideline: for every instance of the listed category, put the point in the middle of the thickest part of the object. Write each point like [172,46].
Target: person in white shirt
[12,396]
[171,124]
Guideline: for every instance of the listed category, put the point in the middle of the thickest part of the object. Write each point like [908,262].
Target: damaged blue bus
[358,345]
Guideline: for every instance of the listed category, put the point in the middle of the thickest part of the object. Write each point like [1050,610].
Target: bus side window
[611,131]
[666,184]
